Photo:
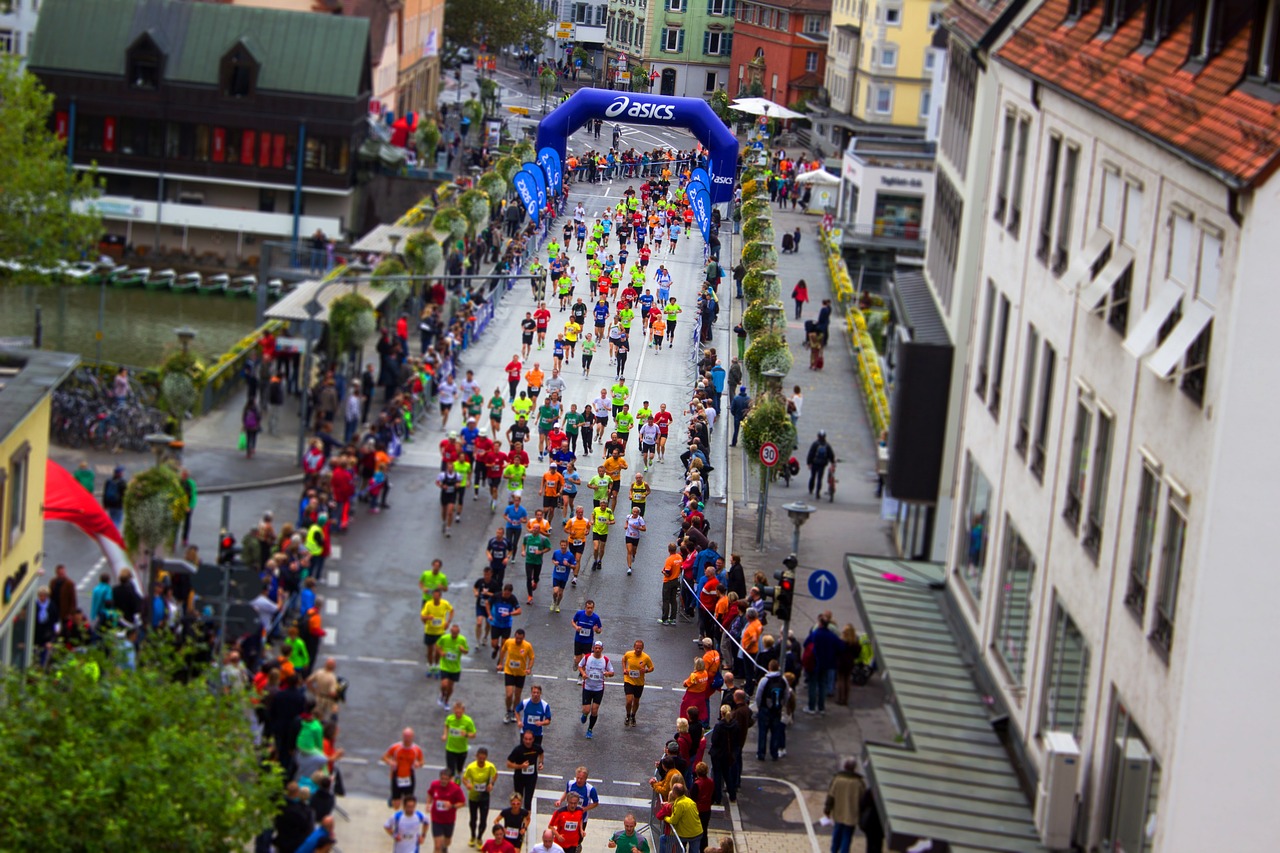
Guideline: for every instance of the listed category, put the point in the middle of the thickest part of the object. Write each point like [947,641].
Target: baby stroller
[788,244]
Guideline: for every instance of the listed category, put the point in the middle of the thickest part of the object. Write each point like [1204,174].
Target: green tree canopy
[497,23]
[159,763]
[38,220]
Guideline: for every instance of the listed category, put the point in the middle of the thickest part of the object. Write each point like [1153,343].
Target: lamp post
[774,312]
[798,512]
[186,335]
[159,442]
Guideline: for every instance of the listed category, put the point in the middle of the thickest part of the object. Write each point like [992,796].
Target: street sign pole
[768,458]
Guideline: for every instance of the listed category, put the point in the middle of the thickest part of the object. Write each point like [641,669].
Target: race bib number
[513,833]
[451,657]
[633,673]
[443,806]
[571,826]
[515,666]
[584,632]
[437,621]
[533,720]
[457,732]
[404,781]
[530,770]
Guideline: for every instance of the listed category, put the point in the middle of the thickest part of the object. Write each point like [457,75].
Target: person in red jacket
[703,791]
[566,823]
[446,797]
[343,483]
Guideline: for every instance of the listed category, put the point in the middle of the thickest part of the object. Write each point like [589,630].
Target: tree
[497,23]
[39,222]
[161,764]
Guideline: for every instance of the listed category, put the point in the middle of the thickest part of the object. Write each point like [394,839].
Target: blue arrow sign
[822,585]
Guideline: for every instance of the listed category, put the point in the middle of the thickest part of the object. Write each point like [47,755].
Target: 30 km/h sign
[769,454]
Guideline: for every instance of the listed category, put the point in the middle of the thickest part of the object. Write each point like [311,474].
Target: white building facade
[1113,466]
[18,27]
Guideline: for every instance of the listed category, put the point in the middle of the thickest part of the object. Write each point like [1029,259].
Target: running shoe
[589,735]
[628,571]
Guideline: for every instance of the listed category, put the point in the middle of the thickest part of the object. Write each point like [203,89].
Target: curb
[256,484]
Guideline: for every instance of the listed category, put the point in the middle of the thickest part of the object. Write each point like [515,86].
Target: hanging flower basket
[495,186]
[474,204]
[450,222]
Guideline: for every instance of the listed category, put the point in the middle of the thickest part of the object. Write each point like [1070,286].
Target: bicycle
[831,481]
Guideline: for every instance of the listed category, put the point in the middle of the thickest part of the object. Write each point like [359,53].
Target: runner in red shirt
[445,797]
[663,419]
[450,451]
[629,294]
[644,256]
[566,823]
[518,454]
[542,317]
[404,756]
[514,371]
[603,284]
[497,844]
[492,461]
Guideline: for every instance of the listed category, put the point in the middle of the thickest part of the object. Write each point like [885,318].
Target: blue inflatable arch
[658,110]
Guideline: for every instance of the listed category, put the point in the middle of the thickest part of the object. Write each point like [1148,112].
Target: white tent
[763,107]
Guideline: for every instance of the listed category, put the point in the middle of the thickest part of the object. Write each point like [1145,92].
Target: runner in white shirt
[648,442]
[593,669]
[407,828]
[603,408]
[548,844]
[633,527]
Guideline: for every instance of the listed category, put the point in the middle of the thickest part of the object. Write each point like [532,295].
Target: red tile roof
[972,20]
[1203,113]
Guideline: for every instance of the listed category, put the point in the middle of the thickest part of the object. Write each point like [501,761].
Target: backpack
[822,454]
[774,694]
[251,419]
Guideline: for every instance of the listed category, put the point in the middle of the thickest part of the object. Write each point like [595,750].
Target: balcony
[884,235]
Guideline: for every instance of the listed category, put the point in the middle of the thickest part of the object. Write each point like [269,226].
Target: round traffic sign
[769,454]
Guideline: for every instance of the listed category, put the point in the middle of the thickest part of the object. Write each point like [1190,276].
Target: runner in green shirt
[599,486]
[475,405]
[462,467]
[619,392]
[601,519]
[644,412]
[624,421]
[496,407]
[452,646]
[672,312]
[588,352]
[625,316]
[572,420]
[534,546]
[458,729]
[433,578]
[514,475]
[522,406]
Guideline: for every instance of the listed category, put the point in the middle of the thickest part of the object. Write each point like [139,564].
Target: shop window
[972,559]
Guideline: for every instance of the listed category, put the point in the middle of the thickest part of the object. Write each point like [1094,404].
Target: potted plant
[450,223]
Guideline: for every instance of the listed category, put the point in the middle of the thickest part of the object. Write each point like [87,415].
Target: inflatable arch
[658,110]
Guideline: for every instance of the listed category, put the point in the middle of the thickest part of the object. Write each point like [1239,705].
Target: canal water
[137,324]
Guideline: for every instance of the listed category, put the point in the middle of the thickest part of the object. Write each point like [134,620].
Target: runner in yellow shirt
[437,614]
[635,665]
[515,662]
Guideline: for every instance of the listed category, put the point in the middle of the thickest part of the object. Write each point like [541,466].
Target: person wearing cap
[593,670]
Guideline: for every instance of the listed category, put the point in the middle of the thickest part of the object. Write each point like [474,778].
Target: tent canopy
[763,107]
[293,307]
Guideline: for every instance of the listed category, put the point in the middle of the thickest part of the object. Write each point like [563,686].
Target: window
[1019,175]
[1028,392]
[1050,198]
[1115,13]
[1112,201]
[1133,787]
[926,97]
[1210,267]
[1039,448]
[1182,247]
[944,244]
[889,56]
[1066,208]
[1175,538]
[581,13]
[1102,440]
[1264,47]
[712,82]
[1067,676]
[892,15]
[10,42]
[717,7]
[997,359]
[1195,369]
[935,18]
[675,5]
[239,72]
[1079,466]
[884,99]
[815,25]
[1144,534]
[1006,166]
[715,43]
[673,39]
[1132,212]
[1116,306]
[1215,22]
[984,351]
[1017,579]
[957,111]
[145,63]
[972,560]
[19,465]
[1161,17]
[811,61]
[930,60]
[1078,8]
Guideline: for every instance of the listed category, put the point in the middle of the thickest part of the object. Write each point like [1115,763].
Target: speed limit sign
[769,454]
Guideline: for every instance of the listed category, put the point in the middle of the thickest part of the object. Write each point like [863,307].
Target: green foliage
[506,166]
[761,345]
[474,204]
[498,23]
[422,252]
[488,94]
[753,207]
[524,151]
[876,322]
[351,321]
[474,110]
[494,186]
[760,254]
[39,220]
[546,82]
[768,421]
[163,764]
[777,361]
[389,269]
[427,139]
[639,77]
[755,319]
[450,224]
[719,101]
[154,506]
[758,229]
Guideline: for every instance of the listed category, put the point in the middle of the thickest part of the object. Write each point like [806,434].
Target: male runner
[563,563]
[534,547]
[633,526]
[502,610]
[515,662]
[593,669]
[452,647]
[586,624]
[601,521]
[437,615]
[403,757]
[576,528]
[635,666]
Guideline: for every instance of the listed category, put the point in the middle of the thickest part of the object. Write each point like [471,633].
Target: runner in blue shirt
[469,434]
[534,714]
[502,610]
[516,516]
[562,563]
[588,796]
[586,624]
[663,278]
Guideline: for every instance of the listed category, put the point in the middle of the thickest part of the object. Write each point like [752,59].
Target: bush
[759,254]
[755,319]
[423,253]
[154,505]
[768,422]
[495,186]
[524,152]
[758,228]
[761,345]
[506,166]
[351,321]
[754,207]
[450,223]
[474,204]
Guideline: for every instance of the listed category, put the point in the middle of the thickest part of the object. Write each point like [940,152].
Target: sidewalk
[849,524]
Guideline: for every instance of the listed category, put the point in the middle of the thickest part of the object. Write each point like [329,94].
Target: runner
[657,329]
[563,563]
[593,670]
[614,465]
[449,484]
[452,646]
[633,526]
[586,624]
[526,760]
[601,520]
[514,473]
[407,827]
[576,528]
[447,395]
[515,367]
[663,419]
[515,662]
[534,547]
[649,433]
[527,327]
[603,408]
[488,587]
[437,615]
[541,319]
[496,407]
[502,610]
[458,729]
[513,822]
[588,796]
[463,467]
[533,381]
[445,797]
[601,314]
[672,313]
[624,423]
[433,578]
[534,714]
[566,822]
[663,279]
[403,757]
[618,395]
[479,778]
[635,666]
[498,843]
[492,462]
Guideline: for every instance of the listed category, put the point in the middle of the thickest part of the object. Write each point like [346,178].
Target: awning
[1106,278]
[379,239]
[1142,339]
[950,779]
[1193,322]
[1082,262]
[293,306]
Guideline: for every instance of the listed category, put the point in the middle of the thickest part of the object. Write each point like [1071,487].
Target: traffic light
[786,588]
[767,594]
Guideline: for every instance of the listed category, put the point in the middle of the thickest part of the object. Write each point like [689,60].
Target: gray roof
[293,306]
[951,779]
[26,377]
[916,309]
[300,52]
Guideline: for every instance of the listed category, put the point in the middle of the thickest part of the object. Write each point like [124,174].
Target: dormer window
[1077,9]
[1215,23]
[1115,13]
[1161,18]
[1264,45]
[239,71]
[144,63]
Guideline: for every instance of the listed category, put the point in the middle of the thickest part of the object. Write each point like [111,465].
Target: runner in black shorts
[527,327]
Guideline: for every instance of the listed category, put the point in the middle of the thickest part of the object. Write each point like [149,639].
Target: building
[18,27]
[214,127]
[1115,462]
[780,50]
[27,379]
[421,32]
[689,46]
[628,26]
[578,25]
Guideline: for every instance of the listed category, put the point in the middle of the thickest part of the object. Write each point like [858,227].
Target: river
[138,324]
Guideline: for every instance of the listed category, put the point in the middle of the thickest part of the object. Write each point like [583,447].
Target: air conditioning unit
[1132,794]
[1056,798]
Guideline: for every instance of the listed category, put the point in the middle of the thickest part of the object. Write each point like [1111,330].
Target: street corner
[774,814]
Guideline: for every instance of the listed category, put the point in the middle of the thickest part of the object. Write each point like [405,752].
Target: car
[464,54]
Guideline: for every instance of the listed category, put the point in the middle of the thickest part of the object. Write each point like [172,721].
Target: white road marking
[335,552]
[332,578]
[330,637]
[331,607]
[804,808]
[91,574]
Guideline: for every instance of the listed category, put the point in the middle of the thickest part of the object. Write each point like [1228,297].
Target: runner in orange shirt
[670,584]
[552,487]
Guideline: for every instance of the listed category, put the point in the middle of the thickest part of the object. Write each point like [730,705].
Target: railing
[222,381]
[884,232]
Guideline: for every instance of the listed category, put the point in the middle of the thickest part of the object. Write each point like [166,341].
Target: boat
[242,285]
[131,278]
[188,282]
[275,288]
[162,280]
[81,272]
[215,283]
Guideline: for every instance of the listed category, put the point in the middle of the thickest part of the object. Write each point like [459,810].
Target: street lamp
[159,442]
[798,512]
[775,312]
[186,335]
